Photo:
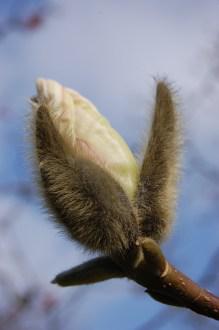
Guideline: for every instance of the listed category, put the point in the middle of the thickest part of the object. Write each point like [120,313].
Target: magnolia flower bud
[84,129]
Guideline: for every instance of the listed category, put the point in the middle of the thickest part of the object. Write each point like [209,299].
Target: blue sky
[110,51]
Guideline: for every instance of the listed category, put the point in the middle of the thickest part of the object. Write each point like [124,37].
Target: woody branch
[150,269]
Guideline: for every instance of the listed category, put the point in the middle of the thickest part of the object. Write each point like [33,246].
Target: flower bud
[86,131]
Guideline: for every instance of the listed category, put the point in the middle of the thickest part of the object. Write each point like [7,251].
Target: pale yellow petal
[79,122]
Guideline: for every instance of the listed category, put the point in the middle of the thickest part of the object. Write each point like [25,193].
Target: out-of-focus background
[109,51]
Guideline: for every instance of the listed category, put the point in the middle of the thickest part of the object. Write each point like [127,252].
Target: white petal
[79,122]
[60,105]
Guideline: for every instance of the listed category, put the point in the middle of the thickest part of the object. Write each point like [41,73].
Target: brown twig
[208,278]
[147,266]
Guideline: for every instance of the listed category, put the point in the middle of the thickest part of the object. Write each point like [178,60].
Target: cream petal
[60,105]
[81,125]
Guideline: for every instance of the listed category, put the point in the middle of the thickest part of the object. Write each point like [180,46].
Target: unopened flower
[84,129]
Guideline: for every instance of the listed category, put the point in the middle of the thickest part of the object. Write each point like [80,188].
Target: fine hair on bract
[89,203]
